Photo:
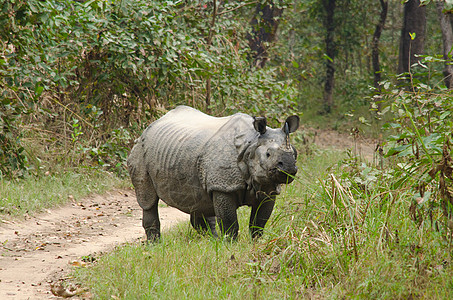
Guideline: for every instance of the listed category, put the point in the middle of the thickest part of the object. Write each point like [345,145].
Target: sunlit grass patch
[183,265]
[33,194]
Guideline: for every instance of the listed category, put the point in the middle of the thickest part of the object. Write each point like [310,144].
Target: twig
[17,97]
[4,247]
[236,8]
[417,133]
[42,130]
[67,108]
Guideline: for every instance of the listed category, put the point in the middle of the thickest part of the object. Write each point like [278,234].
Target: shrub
[120,64]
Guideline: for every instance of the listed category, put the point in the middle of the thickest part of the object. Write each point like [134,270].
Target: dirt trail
[360,146]
[40,250]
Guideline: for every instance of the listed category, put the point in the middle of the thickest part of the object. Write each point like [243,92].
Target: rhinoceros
[209,166]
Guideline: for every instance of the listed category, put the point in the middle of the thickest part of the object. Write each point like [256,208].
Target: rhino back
[172,147]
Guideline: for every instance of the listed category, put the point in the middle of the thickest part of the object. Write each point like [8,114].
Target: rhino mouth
[283,176]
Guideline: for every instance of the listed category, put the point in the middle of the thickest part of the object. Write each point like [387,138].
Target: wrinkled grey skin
[208,167]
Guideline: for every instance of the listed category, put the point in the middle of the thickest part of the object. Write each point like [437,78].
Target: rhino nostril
[280,164]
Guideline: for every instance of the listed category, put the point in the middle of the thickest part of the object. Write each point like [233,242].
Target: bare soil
[40,250]
[37,253]
[330,139]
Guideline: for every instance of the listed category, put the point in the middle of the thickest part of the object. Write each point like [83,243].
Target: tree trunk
[375,44]
[447,40]
[264,28]
[414,22]
[209,43]
[329,24]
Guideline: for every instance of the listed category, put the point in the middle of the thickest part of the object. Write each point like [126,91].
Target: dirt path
[330,139]
[40,250]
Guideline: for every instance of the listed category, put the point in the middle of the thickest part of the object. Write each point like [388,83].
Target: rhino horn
[291,125]
[286,129]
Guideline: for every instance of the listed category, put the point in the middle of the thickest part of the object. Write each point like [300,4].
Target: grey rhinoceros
[208,167]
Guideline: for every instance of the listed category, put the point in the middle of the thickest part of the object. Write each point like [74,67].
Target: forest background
[81,79]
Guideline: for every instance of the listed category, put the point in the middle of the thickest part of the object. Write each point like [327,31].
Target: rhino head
[272,159]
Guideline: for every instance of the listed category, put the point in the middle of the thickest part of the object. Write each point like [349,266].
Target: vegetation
[34,194]
[81,79]
[341,231]
[84,78]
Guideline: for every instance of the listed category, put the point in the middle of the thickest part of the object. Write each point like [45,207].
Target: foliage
[13,161]
[421,140]
[300,51]
[112,64]
[81,79]
[448,4]
[129,61]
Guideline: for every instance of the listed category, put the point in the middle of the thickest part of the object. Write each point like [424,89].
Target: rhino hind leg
[151,224]
[203,224]
[148,200]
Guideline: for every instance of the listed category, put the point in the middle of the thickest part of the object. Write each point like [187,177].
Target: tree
[264,24]
[412,42]
[209,43]
[375,44]
[331,49]
[445,19]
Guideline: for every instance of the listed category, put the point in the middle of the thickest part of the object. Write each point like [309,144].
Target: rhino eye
[268,154]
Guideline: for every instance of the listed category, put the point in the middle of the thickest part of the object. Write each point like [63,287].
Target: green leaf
[445,114]
[328,58]
[401,151]
[448,6]
[38,90]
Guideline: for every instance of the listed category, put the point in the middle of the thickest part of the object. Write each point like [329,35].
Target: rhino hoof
[152,235]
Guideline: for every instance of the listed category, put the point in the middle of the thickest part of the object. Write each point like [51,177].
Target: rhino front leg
[259,216]
[203,224]
[225,207]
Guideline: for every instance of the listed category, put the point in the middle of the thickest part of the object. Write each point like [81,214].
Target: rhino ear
[260,124]
[292,123]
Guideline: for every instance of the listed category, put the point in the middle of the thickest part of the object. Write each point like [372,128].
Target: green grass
[327,238]
[34,194]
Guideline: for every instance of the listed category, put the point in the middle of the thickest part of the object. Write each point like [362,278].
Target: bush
[420,139]
[120,64]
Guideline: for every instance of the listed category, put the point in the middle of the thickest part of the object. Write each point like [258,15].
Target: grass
[34,194]
[324,240]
